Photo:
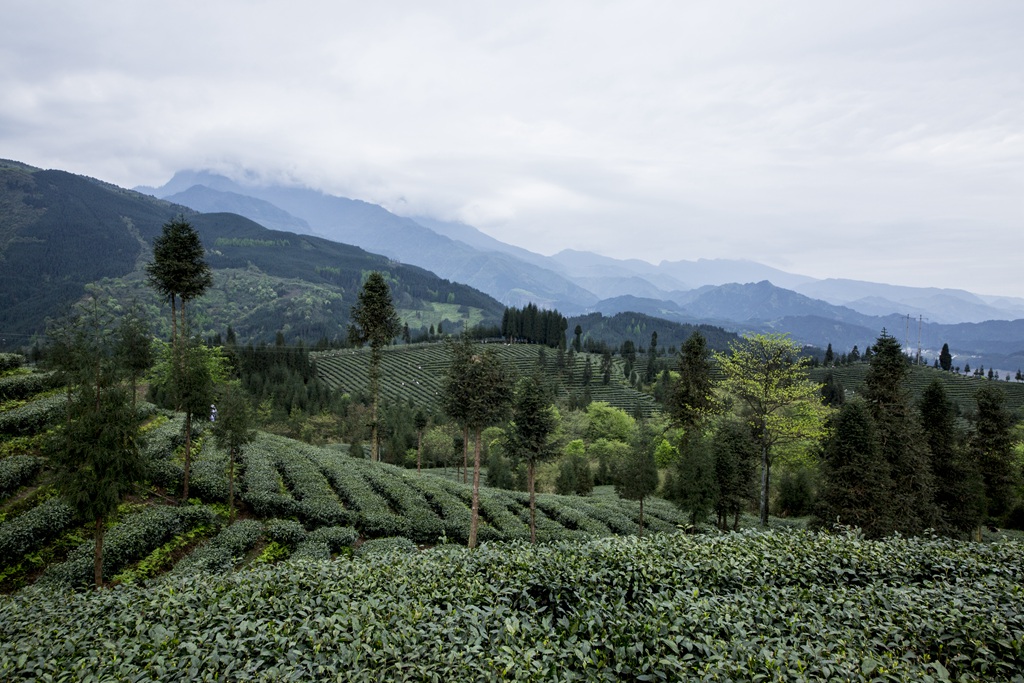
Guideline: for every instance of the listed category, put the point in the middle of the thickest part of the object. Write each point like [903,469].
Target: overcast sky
[880,141]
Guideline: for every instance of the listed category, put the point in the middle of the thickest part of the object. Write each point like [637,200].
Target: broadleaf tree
[768,378]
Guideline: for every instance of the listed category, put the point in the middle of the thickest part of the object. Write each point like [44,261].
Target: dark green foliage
[959,490]
[23,386]
[636,475]
[900,438]
[499,471]
[694,486]
[528,436]
[178,271]
[692,400]
[945,358]
[796,493]
[32,529]
[374,321]
[736,457]
[992,445]
[535,326]
[233,430]
[134,346]
[783,606]
[609,332]
[856,489]
[17,470]
[477,393]
[574,476]
[832,392]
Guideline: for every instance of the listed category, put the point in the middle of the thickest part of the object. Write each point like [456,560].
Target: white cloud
[794,133]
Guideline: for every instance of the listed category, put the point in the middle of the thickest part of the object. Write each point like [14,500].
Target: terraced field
[960,388]
[416,372]
[296,500]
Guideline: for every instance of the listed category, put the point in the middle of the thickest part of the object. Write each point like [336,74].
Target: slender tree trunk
[641,518]
[765,469]
[231,487]
[97,558]
[174,321]
[465,455]
[475,520]
[375,390]
[533,501]
[183,326]
[419,449]
[188,454]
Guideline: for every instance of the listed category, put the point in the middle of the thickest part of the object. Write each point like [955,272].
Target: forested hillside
[62,233]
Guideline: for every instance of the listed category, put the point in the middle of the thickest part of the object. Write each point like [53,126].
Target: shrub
[16,471]
[386,546]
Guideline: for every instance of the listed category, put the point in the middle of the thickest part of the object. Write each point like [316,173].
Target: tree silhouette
[768,378]
[477,393]
[374,320]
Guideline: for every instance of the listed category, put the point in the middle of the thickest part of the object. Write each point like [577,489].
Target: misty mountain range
[738,295]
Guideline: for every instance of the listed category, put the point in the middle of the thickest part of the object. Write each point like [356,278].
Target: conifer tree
[992,444]
[959,490]
[233,430]
[735,455]
[96,453]
[528,436]
[179,270]
[900,437]
[477,393]
[945,358]
[636,475]
[856,487]
[374,320]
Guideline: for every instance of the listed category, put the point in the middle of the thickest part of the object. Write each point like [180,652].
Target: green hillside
[62,235]
[959,388]
[416,373]
[296,500]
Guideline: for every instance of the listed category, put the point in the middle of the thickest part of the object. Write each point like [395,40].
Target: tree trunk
[188,454]
[765,468]
[231,487]
[641,518]
[465,455]
[97,558]
[475,520]
[174,321]
[419,450]
[533,502]
[374,427]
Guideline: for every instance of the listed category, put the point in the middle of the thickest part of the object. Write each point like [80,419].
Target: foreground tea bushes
[773,606]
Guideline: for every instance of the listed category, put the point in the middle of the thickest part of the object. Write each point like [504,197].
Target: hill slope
[62,233]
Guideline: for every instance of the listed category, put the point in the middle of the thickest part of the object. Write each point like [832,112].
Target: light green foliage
[606,422]
[768,379]
[665,453]
[782,606]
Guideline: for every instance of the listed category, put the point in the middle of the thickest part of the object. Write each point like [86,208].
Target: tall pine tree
[900,438]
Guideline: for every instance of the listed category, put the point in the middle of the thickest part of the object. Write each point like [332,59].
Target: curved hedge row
[23,386]
[774,606]
[16,471]
[34,416]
